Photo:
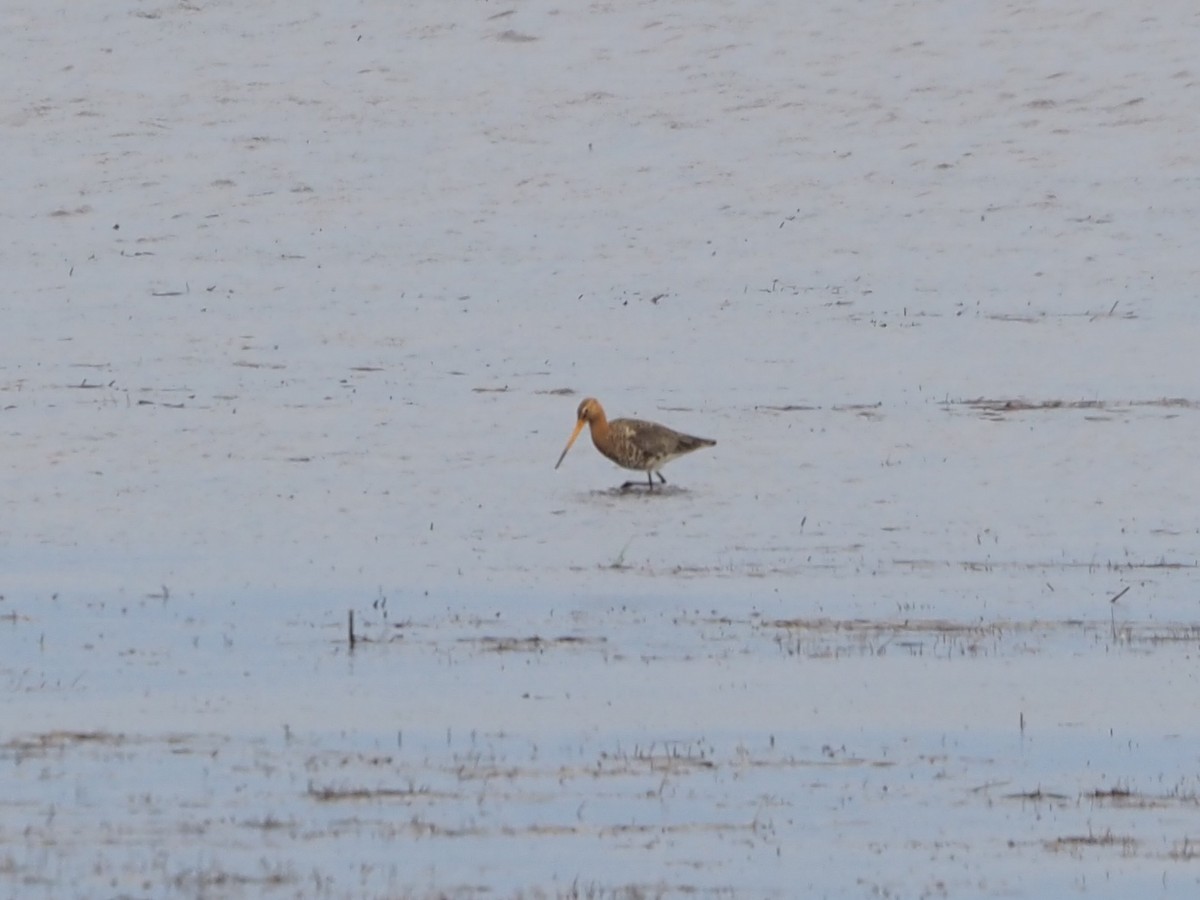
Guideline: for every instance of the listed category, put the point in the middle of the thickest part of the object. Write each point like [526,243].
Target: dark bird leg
[649,481]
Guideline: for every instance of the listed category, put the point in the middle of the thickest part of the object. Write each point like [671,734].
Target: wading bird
[632,443]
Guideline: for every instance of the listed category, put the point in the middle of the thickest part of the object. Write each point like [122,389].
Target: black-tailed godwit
[632,443]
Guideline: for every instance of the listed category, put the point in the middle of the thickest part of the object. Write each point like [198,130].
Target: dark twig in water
[1112,608]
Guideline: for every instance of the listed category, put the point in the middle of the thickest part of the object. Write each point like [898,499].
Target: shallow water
[501,750]
[300,305]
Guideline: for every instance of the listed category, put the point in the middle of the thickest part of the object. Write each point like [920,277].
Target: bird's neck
[598,424]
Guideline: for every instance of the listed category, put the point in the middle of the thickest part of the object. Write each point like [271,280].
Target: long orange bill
[574,434]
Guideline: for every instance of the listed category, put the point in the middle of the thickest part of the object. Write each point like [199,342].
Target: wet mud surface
[300,303]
